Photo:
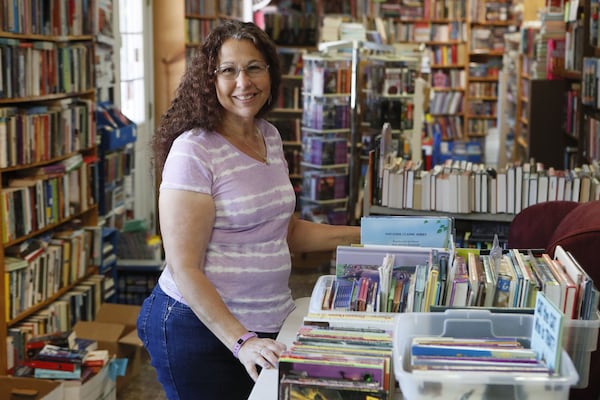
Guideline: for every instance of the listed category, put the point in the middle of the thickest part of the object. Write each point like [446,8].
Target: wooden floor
[306,271]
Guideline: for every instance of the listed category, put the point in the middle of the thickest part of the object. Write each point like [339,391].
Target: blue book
[43,373]
[343,294]
[472,351]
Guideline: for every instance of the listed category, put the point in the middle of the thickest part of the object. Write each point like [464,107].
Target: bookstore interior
[462,136]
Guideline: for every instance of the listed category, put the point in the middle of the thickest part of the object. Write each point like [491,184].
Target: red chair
[575,227]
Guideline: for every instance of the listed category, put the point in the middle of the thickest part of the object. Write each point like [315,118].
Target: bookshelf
[488,22]
[325,136]
[48,181]
[287,114]
[445,34]
[104,49]
[117,165]
[200,18]
[135,279]
[590,138]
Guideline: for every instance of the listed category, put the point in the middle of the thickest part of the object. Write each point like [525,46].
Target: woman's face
[243,82]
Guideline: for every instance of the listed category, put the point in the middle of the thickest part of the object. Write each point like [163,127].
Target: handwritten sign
[546,335]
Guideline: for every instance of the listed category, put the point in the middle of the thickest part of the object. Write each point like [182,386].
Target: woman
[226,213]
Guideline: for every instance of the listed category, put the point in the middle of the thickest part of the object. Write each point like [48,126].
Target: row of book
[52,194]
[291,62]
[592,137]
[51,18]
[590,85]
[324,185]
[41,133]
[465,187]
[427,9]
[319,150]
[480,127]
[448,55]
[202,8]
[197,29]
[337,363]
[496,355]
[36,68]
[447,127]
[289,97]
[291,28]
[79,304]
[446,103]
[432,32]
[452,79]
[39,268]
[323,75]
[392,77]
[408,280]
[483,89]
[134,286]
[326,113]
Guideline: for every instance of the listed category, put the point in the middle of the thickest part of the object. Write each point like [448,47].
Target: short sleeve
[188,165]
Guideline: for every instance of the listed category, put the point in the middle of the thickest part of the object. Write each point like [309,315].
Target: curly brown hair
[195,104]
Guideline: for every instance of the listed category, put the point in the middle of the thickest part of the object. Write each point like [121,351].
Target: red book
[55,365]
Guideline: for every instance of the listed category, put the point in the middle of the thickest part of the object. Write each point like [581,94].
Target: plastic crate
[458,385]
[580,339]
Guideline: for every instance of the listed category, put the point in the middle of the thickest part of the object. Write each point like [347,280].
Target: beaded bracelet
[240,342]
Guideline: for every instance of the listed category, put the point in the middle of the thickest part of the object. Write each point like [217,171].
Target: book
[567,286]
[43,373]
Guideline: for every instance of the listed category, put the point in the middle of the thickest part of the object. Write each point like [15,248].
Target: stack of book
[336,363]
[56,362]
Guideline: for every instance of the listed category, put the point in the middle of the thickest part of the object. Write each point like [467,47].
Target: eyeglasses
[231,71]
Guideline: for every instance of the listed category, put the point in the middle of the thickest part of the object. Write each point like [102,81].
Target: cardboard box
[46,389]
[100,386]
[115,330]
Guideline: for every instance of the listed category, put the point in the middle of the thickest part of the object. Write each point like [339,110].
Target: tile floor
[305,273]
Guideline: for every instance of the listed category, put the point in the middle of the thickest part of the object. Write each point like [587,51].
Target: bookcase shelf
[48,176]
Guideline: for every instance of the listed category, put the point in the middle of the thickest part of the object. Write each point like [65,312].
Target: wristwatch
[240,342]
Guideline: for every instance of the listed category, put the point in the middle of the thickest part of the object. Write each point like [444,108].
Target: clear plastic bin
[473,385]
[580,339]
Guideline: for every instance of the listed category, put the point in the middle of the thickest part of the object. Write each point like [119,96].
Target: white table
[266,385]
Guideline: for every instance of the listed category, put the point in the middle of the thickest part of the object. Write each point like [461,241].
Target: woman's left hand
[262,352]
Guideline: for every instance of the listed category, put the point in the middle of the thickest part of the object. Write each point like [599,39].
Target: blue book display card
[406,231]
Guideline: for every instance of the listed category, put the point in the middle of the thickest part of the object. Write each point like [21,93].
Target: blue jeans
[191,363]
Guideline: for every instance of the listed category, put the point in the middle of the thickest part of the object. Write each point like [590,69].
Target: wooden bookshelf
[54,82]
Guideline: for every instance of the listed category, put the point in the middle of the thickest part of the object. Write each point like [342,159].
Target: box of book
[481,354]
[374,283]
